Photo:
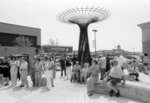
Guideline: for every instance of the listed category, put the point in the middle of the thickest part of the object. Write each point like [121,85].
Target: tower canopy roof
[83,15]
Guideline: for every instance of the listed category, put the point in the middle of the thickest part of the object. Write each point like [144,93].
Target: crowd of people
[42,71]
[120,69]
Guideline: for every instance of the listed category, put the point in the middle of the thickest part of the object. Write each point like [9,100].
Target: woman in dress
[68,68]
[13,71]
[38,72]
[24,72]
[48,72]
[53,63]
[32,70]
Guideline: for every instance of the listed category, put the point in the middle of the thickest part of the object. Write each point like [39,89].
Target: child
[84,72]
[91,81]
[75,72]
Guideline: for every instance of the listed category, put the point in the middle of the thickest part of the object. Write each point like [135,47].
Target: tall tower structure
[83,17]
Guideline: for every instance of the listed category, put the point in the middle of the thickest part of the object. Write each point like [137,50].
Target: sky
[119,29]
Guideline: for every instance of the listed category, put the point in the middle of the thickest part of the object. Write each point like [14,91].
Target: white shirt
[84,71]
[48,65]
[103,63]
[24,65]
[18,63]
[121,60]
[116,72]
[13,65]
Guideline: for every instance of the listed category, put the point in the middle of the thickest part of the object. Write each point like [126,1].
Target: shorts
[134,74]
[115,81]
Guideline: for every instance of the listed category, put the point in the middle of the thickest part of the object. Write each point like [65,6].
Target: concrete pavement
[63,92]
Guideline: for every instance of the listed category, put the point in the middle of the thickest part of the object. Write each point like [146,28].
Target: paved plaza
[63,92]
[105,43]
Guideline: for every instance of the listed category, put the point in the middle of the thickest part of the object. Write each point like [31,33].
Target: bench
[133,90]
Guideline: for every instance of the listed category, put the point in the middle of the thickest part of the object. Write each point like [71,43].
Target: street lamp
[95,30]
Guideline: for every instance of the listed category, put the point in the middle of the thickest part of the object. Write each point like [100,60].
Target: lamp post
[95,31]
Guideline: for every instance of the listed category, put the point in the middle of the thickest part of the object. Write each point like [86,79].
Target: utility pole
[95,31]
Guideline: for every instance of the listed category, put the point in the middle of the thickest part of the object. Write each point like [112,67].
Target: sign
[57,49]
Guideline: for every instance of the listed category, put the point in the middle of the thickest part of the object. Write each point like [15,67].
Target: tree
[22,41]
[53,42]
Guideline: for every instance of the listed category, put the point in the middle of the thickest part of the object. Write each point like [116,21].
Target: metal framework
[83,17]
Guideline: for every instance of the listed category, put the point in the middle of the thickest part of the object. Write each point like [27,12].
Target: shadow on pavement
[5,88]
[95,96]
[32,89]
[111,99]
[16,89]
[44,89]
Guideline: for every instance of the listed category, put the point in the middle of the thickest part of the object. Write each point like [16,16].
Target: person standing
[63,66]
[32,70]
[84,72]
[53,71]
[6,71]
[94,69]
[77,69]
[108,63]
[94,72]
[24,72]
[48,72]
[1,73]
[133,71]
[91,84]
[38,72]
[18,64]
[146,62]
[13,71]
[68,68]
[102,67]
[55,66]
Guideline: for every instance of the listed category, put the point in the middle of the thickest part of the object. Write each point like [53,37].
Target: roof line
[20,25]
